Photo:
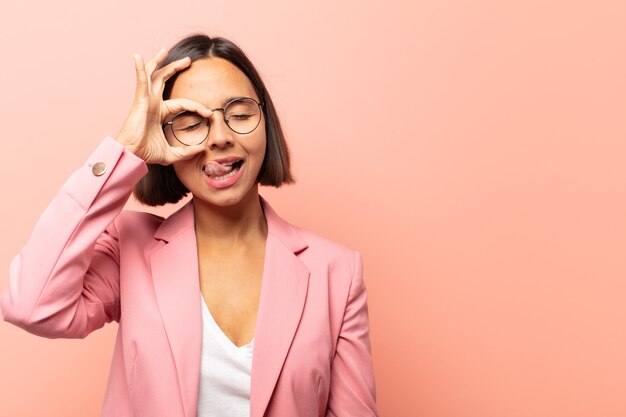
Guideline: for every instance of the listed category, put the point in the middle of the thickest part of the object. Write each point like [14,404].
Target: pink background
[473,151]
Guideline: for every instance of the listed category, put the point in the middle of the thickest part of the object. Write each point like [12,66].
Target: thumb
[185,152]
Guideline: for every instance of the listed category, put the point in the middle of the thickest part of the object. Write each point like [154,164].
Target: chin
[226,198]
[225,201]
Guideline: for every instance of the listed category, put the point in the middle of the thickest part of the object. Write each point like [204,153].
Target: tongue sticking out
[214,169]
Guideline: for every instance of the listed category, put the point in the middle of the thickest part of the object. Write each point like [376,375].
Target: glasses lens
[243,115]
[190,128]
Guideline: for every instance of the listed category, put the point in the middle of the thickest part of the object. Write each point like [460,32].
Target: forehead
[212,81]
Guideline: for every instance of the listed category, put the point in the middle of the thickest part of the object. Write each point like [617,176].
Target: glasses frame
[223,110]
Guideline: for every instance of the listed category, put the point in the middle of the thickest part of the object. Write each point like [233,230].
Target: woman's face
[214,82]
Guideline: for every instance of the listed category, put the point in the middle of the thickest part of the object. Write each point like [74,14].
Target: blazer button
[99,168]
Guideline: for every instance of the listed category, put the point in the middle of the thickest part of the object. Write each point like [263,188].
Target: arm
[65,281]
[352,385]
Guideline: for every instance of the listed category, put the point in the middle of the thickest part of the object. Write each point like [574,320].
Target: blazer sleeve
[64,283]
[352,385]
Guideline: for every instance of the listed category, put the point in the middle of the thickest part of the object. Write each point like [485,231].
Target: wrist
[127,144]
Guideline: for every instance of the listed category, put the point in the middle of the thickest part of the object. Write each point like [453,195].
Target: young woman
[224,308]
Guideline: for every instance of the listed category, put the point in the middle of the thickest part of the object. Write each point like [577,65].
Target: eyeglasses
[242,115]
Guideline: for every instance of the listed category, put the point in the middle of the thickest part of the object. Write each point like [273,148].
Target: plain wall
[473,151]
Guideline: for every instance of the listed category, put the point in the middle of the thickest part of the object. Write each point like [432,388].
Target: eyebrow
[229,99]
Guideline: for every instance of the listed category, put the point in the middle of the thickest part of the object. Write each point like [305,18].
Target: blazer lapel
[283,292]
[177,286]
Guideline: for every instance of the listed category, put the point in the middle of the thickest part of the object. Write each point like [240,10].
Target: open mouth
[221,171]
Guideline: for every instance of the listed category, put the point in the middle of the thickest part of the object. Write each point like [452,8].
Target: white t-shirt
[224,372]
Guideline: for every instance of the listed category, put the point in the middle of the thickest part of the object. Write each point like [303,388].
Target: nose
[220,134]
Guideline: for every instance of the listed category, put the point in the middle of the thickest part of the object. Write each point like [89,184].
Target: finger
[177,105]
[155,61]
[179,153]
[160,76]
[142,78]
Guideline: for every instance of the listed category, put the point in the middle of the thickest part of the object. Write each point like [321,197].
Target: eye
[189,128]
[188,122]
[242,116]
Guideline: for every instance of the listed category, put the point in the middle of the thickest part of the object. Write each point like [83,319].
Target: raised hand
[142,132]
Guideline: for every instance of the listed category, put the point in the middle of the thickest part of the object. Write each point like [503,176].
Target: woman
[224,308]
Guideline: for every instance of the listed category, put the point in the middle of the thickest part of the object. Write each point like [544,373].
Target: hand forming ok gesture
[142,132]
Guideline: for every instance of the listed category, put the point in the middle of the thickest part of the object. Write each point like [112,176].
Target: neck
[243,221]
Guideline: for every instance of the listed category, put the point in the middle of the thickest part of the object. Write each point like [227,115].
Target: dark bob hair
[161,185]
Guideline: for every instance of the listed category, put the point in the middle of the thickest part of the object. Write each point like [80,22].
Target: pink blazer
[88,263]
